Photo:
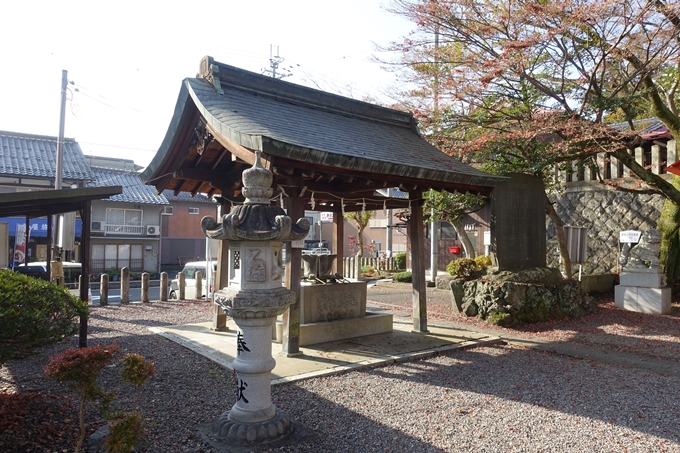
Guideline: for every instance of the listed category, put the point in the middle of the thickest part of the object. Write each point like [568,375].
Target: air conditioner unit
[97,226]
[153,230]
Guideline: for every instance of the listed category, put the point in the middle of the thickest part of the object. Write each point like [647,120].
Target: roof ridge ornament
[210,72]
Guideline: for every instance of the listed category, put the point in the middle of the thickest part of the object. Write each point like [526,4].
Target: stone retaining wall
[605,212]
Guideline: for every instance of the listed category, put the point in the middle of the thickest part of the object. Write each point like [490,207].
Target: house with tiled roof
[28,163]
[125,229]
[183,239]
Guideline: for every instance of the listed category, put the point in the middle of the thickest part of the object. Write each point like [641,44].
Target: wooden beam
[196,188]
[415,224]
[219,158]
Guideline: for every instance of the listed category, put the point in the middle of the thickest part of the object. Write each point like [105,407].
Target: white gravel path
[486,399]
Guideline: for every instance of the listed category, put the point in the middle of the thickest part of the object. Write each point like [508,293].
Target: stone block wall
[605,212]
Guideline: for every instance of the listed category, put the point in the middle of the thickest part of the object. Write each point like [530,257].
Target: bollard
[104,290]
[145,287]
[182,285]
[125,285]
[199,285]
[164,286]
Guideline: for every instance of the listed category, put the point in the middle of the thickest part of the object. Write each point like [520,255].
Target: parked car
[71,270]
[190,270]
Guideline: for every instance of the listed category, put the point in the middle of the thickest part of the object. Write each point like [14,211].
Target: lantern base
[251,434]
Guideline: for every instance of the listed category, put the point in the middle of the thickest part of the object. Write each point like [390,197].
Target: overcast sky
[128,58]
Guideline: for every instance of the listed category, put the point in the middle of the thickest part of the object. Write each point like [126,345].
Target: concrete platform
[327,358]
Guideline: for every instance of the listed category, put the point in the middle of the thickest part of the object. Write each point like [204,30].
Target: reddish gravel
[610,328]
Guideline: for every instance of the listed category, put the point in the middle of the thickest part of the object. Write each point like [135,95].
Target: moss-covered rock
[534,295]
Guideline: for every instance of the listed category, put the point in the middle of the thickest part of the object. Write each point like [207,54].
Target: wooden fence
[379,264]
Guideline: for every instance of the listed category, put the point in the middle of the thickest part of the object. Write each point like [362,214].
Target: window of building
[194,211]
[129,217]
[169,210]
[118,256]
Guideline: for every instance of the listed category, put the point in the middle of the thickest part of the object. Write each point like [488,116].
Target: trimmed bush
[400,260]
[402,277]
[468,268]
[34,313]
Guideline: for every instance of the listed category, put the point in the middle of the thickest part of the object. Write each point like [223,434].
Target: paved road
[135,295]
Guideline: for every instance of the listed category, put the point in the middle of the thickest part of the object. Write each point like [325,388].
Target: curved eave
[165,162]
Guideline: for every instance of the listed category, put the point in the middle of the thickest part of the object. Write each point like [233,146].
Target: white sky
[128,59]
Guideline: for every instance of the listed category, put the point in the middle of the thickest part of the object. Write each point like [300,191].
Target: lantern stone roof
[332,145]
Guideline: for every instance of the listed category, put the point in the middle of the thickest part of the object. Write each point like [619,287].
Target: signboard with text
[630,236]
[326,216]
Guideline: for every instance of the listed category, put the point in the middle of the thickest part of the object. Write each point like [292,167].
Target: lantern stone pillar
[254,298]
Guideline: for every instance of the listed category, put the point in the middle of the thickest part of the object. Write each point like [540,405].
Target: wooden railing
[379,264]
[655,157]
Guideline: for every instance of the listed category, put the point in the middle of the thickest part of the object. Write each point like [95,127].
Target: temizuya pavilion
[326,152]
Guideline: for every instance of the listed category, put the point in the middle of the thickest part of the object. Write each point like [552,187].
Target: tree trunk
[464,239]
[561,237]
[669,225]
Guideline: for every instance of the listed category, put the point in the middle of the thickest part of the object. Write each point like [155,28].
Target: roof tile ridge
[221,76]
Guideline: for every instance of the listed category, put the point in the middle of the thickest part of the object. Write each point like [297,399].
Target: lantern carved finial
[256,219]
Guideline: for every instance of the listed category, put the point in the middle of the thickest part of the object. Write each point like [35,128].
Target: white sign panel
[326,216]
[630,236]
[487,238]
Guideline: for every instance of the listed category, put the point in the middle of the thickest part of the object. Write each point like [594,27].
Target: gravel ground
[486,399]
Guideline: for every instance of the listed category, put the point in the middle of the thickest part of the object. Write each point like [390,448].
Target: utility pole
[58,228]
[274,62]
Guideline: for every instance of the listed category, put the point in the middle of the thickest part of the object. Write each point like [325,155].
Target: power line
[274,62]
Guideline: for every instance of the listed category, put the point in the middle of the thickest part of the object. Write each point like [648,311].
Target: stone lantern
[254,298]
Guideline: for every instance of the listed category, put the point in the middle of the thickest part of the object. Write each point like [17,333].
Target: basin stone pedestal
[642,283]
[643,292]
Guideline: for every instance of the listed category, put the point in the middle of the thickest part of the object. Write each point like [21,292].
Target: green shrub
[400,260]
[402,277]
[483,261]
[34,313]
[468,268]
[463,268]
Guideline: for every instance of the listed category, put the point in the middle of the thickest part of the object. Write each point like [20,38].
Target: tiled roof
[648,128]
[134,190]
[186,196]
[324,128]
[28,155]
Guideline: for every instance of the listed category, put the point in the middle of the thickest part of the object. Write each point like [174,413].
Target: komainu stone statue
[644,256]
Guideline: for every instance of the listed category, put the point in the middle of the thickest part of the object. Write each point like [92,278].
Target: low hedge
[34,313]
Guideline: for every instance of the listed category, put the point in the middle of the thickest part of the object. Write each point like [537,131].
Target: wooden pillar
[640,156]
[85,216]
[338,241]
[614,167]
[291,317]
[626,170]
[48,257]
[219,322]
[656,159]
[418,262]
[671,152]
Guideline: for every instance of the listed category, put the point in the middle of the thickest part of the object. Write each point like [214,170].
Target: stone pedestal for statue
[254,298]
[642,285]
